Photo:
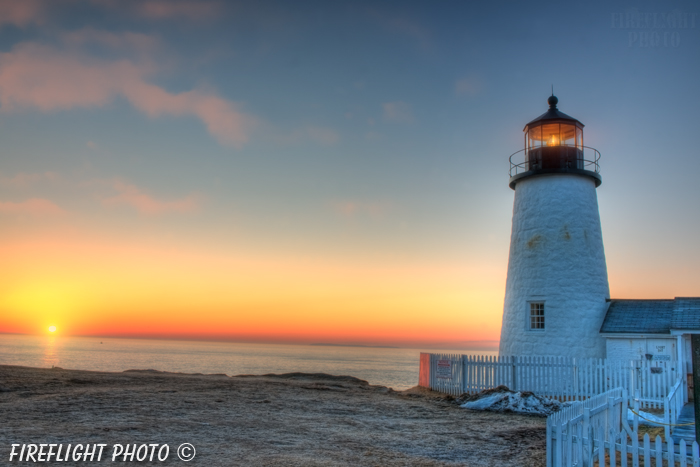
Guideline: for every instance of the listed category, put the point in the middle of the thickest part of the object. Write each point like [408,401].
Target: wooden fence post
[636,410]
[611,432]
[667,421]
[647,449]
[588,431]
[610,422]
[549,442]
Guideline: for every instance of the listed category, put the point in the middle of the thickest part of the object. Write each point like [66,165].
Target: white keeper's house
[557,298]
[652,329]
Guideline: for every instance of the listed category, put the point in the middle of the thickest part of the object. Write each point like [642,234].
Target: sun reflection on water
[50,357]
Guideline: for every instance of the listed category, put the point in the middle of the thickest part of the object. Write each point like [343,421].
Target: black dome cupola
[554,144]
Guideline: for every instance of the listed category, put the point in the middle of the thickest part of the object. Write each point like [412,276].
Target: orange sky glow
[106,287]
[116,289]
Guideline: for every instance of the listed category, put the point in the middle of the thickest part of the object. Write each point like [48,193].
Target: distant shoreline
[468,346]
[356,345]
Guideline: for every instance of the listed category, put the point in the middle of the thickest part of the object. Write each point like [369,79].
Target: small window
[537,315]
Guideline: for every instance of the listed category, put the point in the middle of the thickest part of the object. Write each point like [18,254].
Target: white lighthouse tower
[557,282]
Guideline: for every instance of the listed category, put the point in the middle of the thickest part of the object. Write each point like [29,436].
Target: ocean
[396,368]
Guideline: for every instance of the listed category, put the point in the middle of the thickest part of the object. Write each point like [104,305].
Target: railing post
[610,421]
[575,389]
[625,409]
[587,431]
[612,432]
[514,373]
[559,448]
[636,410]
[550,442]
[667,417]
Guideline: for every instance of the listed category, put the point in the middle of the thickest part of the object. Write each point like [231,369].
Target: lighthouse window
[568,135]
[551,135]
[535,137]
[536,315]
[579,138]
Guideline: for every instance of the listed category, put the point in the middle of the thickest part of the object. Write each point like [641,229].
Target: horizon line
[487,345]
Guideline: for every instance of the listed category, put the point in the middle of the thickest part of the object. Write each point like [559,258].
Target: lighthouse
[557,289]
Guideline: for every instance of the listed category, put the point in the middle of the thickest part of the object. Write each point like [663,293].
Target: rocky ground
[291,420]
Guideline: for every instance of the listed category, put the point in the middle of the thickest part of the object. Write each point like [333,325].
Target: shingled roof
[652,316]
[686,313]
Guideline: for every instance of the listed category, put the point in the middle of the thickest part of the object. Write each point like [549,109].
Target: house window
[536,316]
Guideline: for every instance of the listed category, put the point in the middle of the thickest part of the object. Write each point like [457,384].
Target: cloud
[397,112]
[131,195]
[220,116]
[21,13]
[47,79]
[162,9]
[23,180]
[33,206]
[123,41]
[350,209]
[469,86]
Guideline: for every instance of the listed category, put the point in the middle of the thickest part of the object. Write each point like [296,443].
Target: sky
[336,172]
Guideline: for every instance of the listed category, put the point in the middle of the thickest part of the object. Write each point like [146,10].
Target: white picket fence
[442,372]
[570,431]
[555,377]
[595,433]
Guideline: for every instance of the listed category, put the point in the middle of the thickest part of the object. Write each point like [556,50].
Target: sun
[52,328]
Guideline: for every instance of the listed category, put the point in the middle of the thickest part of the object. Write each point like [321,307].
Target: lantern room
[554,128]
[554,144]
